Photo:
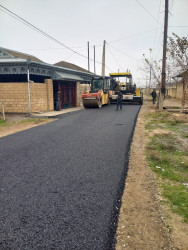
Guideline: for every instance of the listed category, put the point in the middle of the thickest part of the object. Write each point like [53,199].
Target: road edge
[150,232]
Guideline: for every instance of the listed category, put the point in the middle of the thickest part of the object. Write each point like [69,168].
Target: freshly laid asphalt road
[61,183]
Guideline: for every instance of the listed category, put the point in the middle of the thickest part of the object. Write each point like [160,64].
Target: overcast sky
[130,28]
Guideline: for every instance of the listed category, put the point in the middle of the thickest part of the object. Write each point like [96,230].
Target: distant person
[119,100]
[57,101]
[154,95]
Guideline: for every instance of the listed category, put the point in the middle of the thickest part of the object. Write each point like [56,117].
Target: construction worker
[57,101]
[119,100]
[154,95]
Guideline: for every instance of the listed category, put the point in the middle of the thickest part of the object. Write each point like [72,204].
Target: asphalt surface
[61,183]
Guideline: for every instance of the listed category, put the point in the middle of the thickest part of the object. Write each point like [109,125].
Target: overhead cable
[125,53]
[113,55]
[40,31]
[136,34]
[147,11]
[156,28]
[17,17]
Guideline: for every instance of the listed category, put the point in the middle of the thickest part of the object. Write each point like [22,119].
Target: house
[28,84]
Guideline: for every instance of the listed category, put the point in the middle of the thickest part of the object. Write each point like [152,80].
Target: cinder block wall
[16,100]
[84,87]
[172,92]
[78,98]
[179,91]
[49,94]
[147,91]
[176,91]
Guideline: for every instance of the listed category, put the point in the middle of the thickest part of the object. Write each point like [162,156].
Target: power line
[183,26]
[52,49]
[69,57]
[125,53]
[40,31]
[159,46]
[113,55]
[144,32]
[147,11]
[158,51]
[171,6]
[136,34]
[141,33]
[17,17]
[156,28]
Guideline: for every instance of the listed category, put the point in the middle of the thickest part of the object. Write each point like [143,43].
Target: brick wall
[16,100]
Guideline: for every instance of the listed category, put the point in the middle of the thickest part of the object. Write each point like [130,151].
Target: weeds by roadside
[4,123]
[167,155]
[11,126]
[30,120]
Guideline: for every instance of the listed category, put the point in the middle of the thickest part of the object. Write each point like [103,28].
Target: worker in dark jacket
[119,100]
[57,101]
[154,95]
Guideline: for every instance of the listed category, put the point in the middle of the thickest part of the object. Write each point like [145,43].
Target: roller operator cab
[99,94]
[124,83]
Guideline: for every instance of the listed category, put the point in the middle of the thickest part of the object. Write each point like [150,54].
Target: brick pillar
[78,97]
[49,94]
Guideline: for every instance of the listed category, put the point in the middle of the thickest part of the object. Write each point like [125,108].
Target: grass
[167,155]
[3,123]
[30,120]
[165,120]
[174,107]
[178,198]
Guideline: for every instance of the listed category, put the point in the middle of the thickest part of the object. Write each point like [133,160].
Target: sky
[129,27]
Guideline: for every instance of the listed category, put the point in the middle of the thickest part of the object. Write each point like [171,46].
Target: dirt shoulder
[143,221]
[17,122]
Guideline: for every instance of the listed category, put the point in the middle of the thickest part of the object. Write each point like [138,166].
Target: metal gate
[68,95]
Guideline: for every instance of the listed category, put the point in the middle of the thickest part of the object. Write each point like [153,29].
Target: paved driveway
[61,182]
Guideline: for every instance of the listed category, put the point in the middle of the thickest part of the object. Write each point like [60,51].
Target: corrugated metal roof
[66,76]
[71,71]
[71,66]
[17,54]
[12,60]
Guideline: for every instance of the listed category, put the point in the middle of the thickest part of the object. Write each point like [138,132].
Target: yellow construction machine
[99,94]
[131,94]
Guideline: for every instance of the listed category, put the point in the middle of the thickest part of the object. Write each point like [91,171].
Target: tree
[156,70]
[176,63]
[178,53]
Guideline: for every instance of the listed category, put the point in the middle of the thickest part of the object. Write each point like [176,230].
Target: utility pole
[103,59]
[94,60]
[163,78]
[88,56]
